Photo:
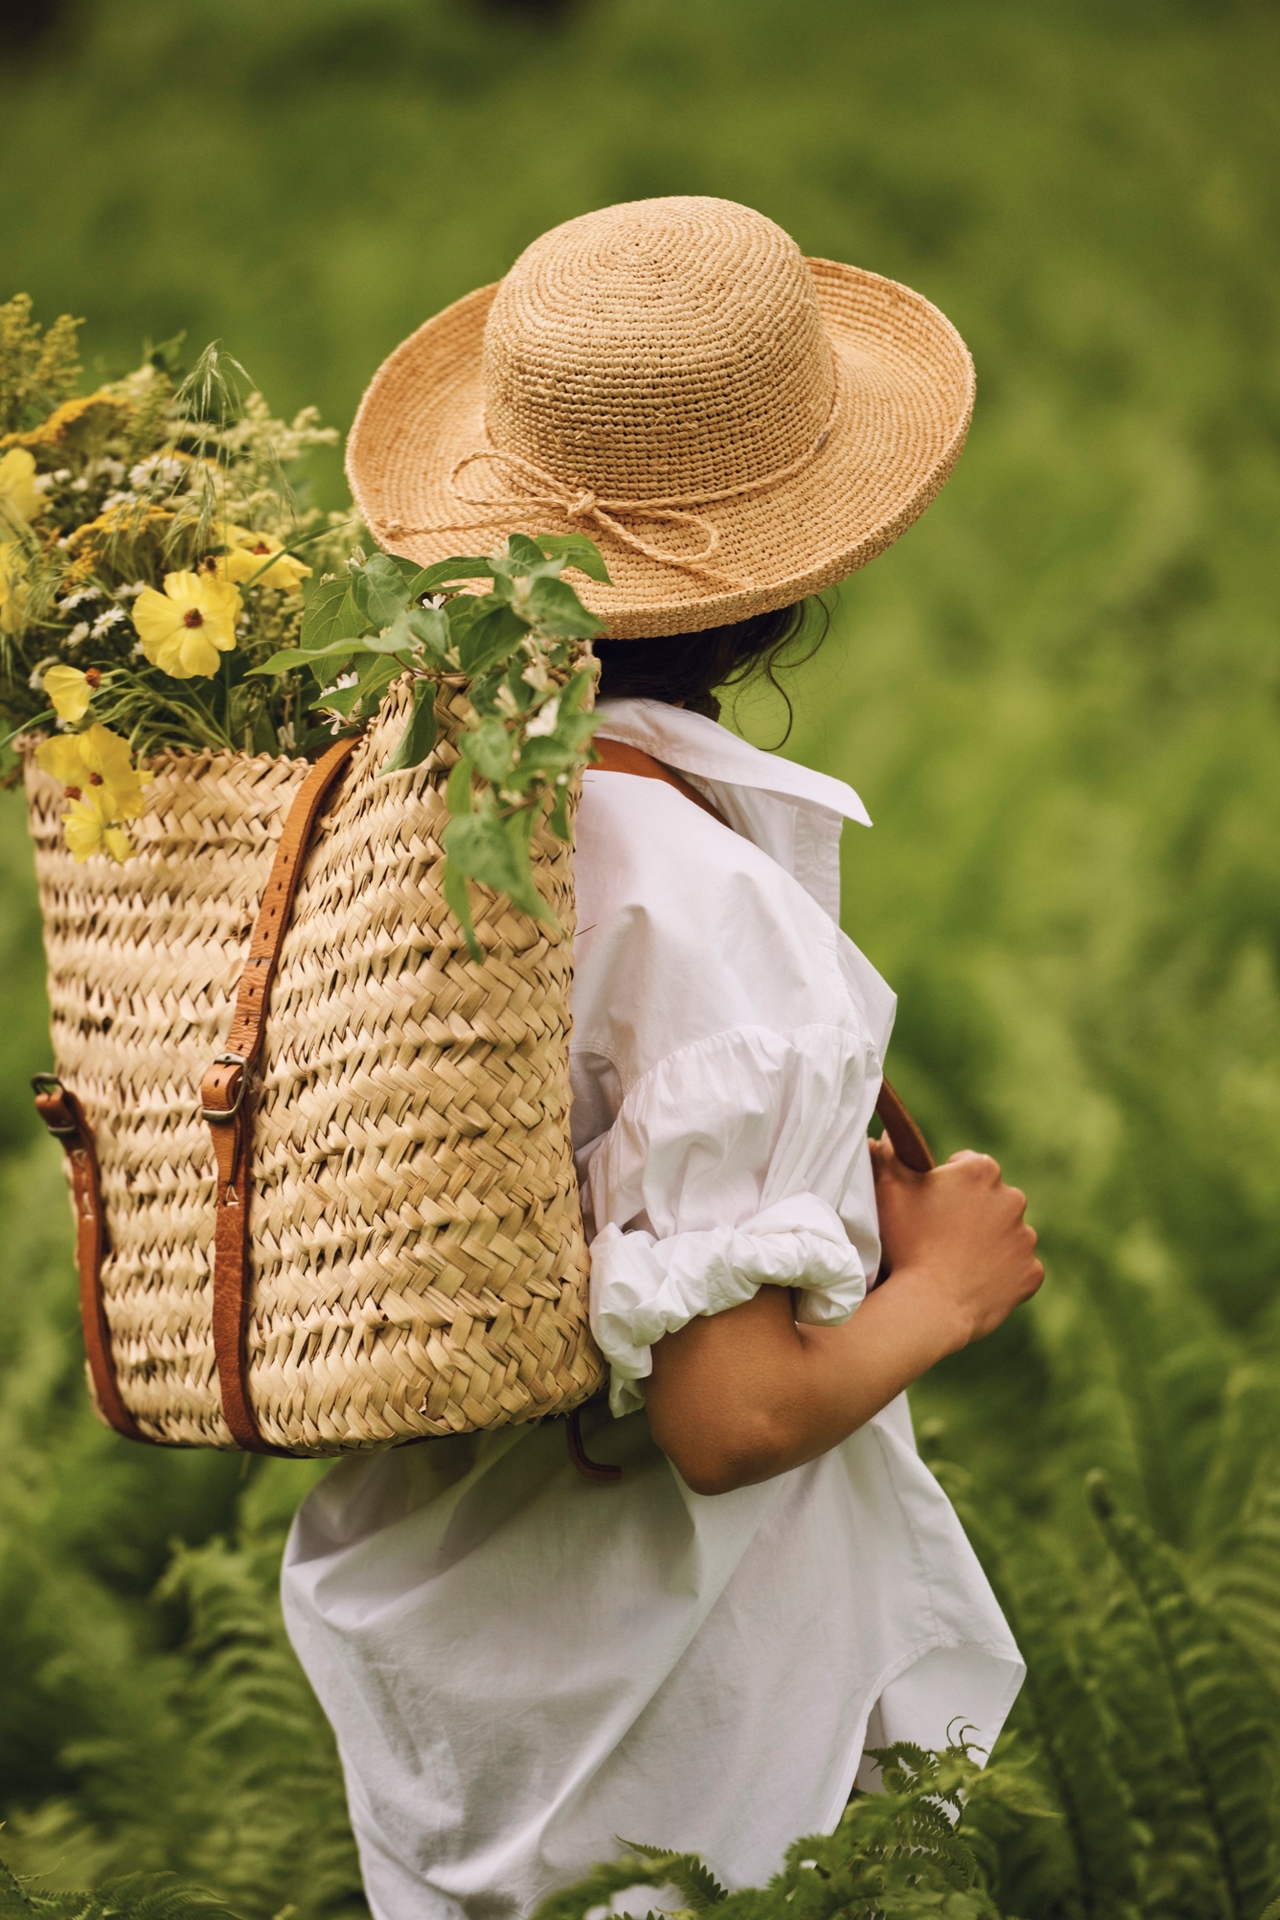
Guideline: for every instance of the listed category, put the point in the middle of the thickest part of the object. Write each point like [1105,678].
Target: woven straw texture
[736,426]
[418,1258]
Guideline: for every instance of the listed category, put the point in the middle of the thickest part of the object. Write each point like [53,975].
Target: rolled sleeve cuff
[643,1287]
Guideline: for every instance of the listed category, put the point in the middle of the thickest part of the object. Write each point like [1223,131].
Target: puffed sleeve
[732,1077]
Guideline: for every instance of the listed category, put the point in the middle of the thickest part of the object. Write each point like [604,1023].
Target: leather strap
[905,1136]
[227,1103]
[616,757]
[597,1470]
[65,1119]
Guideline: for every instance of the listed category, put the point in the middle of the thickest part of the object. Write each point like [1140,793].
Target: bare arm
[747,1394]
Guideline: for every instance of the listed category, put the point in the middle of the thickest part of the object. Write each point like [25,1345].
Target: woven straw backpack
[319,1159]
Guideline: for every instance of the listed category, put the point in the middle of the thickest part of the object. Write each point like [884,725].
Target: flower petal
[156,619]
[63,757]
[69,692]
[83,827]
[19,497]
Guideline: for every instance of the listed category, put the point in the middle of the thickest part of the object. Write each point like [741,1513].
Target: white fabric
[520,1665]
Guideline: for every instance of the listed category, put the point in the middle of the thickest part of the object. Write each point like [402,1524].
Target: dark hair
[686,668]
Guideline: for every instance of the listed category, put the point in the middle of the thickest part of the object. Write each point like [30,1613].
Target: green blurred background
[1058,696]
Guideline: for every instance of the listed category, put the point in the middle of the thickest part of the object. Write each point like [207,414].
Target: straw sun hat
[733,424]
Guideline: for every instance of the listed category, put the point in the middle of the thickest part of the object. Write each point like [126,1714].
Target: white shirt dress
[521,1665]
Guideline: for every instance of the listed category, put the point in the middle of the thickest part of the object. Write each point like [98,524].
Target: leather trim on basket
[905,1137]
[65,1119]
[227,1102]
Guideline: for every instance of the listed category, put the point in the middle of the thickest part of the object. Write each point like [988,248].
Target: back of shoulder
[686,928]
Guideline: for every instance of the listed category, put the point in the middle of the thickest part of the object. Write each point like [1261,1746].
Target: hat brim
[907,398]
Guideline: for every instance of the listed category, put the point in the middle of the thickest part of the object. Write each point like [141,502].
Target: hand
[960,1235]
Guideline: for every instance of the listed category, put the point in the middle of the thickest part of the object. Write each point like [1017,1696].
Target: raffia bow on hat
[581,504]
[737,425]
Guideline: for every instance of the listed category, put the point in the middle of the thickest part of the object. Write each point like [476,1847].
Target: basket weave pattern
[418,1258]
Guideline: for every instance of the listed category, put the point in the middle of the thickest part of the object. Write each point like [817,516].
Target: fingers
[977,1162]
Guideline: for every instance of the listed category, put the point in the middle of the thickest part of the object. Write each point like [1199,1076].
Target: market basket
[416,1262]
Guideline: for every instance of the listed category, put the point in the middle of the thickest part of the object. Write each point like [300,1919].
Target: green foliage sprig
[899,1854]
[518,653]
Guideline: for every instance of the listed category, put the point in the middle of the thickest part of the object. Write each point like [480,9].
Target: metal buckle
[215,1114]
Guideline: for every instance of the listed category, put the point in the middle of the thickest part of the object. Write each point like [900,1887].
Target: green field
[1058,695]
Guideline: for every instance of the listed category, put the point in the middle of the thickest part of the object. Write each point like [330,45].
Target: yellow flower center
[72,793]
[193,617]
[95,779]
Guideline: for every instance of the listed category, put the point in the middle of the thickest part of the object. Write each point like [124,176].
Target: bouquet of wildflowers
[162,588]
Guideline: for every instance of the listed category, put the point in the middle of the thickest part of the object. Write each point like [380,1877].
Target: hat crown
[660,348]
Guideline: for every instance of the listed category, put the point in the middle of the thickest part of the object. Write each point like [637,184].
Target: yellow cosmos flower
[185,628]
[249,551]
[110,766]
[90,829]
[96,764]
[70,691]
[13,589]
[19,496]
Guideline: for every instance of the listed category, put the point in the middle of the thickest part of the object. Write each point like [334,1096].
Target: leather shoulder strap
[907,1140]
[227,1105]
[616,757]
[65,1119]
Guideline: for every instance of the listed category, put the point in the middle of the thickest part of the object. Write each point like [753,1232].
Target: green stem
[25,727]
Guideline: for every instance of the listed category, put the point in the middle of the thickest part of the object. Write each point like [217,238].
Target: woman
[519,1664]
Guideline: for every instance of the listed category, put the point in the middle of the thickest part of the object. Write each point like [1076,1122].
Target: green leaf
[293,659]
[560,610]
[419,735]
[457,899]
[429,625]
[330,614]
[445,572]
[576,692]
[365,695]
[490,749]
[546,754]
[559,815]
[343,700]
[379,590]
[457,794]
[576,551]
[412,628]
[489,639]
[414,575]
[524,552]
[483,847]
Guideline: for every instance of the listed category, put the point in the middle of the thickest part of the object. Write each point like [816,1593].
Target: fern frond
[1227,1748]
[685,1871]
[134,1896]
[1093,1858]
[599,1886]
[1244,1455]
[1239,1582]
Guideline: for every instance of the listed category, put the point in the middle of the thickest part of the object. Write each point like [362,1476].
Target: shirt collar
[691,743]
